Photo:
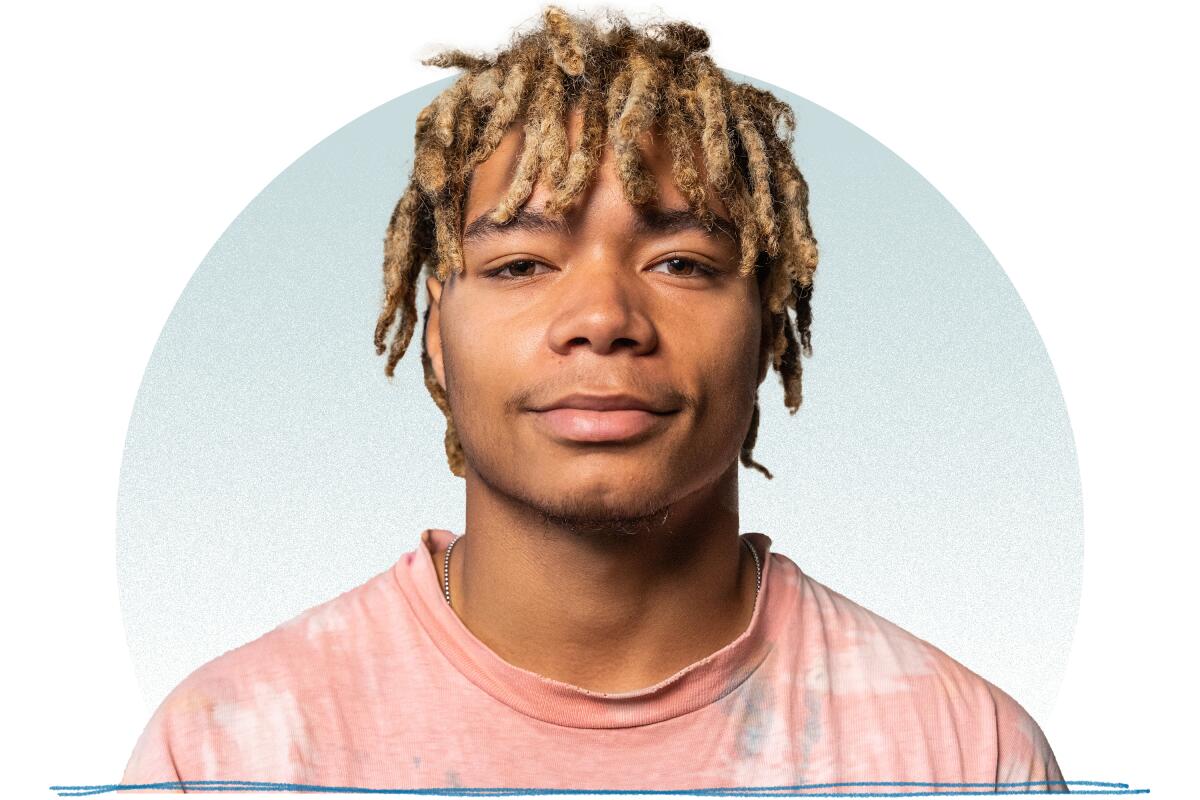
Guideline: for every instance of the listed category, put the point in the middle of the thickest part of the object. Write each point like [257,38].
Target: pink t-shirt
[384,687]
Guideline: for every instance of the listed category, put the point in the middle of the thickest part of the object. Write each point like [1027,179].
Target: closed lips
[590,418]
[585,402]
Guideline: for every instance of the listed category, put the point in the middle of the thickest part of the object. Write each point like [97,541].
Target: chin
[597,518]
[600,508]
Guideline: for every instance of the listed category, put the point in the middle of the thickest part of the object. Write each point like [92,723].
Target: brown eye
[516,269]
[682,267]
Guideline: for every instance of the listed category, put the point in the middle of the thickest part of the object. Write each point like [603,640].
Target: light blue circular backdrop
[930,474]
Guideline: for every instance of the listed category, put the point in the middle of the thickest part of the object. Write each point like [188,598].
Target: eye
[521,268]
[683,268]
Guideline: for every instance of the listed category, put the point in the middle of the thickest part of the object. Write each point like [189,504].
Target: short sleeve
[1024,754]
[152,761]
[180,742]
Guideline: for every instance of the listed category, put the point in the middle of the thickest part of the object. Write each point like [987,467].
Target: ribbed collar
[542,698]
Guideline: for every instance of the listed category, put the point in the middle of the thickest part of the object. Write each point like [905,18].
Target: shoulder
[871,668]
[866,652]
[295,652]
[863,651]
[244,712]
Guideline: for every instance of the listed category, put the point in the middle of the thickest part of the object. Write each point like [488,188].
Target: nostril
[615,344]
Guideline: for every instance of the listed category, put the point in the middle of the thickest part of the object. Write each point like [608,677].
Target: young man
[618,251]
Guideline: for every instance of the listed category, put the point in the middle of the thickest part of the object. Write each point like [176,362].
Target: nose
[604,311]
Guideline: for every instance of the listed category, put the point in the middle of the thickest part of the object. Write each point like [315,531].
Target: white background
[1065,134]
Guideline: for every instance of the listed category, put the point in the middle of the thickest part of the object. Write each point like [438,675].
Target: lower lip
[580,425]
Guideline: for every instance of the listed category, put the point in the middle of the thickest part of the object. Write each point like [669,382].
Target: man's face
[603,368]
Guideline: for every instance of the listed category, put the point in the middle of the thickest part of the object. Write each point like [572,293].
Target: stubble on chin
[579,511]
[588,522]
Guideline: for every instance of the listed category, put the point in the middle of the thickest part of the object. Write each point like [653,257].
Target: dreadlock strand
[419,246]
[406,252]
[553,130]
[408,319]
[525,177]
[783,121]
[565,41]
[485,89]
[715,137]
[679,38]
[448,107]
[404,332]
[586,155]
[449,243]
[795,201]
[683,157]
[736,199]
[429,166]
[395,266]
[804,319]
[797,263]
[454,201]
[802,254]
[760,171]
[534,151]
[748,445]
[748,242]
[465,128]
[779,288]
[457,59]
[778,339]
[791,370]
[618,90]
[636,117]
[511,99]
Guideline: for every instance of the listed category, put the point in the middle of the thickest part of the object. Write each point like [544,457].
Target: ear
[433,330]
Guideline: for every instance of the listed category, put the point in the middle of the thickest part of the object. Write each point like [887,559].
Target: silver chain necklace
[446,568]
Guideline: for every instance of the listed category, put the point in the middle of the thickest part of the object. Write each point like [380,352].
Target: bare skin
[602,546]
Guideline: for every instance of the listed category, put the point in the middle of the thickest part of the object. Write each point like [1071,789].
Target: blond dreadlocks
[624,80]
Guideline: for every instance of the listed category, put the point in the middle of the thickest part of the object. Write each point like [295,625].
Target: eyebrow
[649,221]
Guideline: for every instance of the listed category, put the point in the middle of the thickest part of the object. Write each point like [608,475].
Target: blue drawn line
[797,790]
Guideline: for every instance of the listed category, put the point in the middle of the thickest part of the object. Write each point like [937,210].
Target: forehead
[491,179]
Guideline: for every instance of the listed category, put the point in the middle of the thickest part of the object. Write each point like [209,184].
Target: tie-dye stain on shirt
[384,687]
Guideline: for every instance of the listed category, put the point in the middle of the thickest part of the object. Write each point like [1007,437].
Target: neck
[610,610]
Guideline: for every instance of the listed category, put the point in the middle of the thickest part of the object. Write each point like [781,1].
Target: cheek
[465,363]
[723,351]
[484,373]
[725,346]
